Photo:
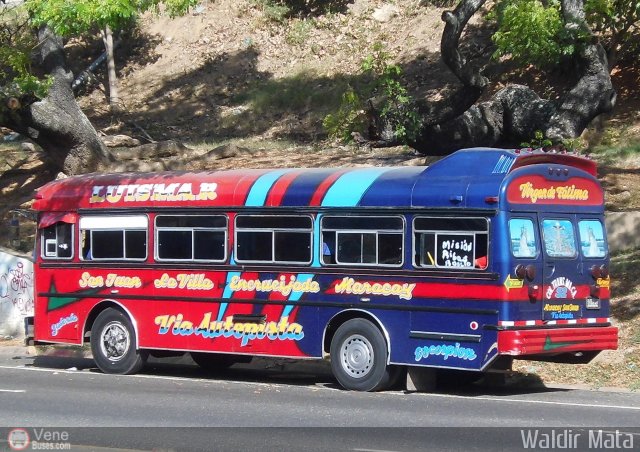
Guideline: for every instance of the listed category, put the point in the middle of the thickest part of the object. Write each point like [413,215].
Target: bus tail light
[535,292]
[596,272]
[595,291]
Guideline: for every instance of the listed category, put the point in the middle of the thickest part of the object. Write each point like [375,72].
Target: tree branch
[473,82]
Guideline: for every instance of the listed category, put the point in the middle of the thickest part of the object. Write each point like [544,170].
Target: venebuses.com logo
[38,439]
[18,439]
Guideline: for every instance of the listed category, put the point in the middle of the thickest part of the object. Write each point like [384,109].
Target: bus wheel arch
[337,320]
[359,350]
[114,340]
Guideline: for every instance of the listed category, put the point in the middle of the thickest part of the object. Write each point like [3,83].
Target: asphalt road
[295,407]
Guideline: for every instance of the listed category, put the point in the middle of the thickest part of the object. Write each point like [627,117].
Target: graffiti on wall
[16,283]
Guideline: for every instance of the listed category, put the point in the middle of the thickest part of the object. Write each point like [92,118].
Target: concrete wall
[16,293]
[623,230]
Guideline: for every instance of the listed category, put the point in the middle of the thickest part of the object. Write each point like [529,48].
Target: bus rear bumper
[557,340]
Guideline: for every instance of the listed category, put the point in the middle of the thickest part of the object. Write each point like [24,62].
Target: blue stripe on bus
[304,187]
[393,188]
[317,242]
[350,187]
[227,294]
[260,188]
[295,296]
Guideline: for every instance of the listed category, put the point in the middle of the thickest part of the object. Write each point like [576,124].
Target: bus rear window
[559,238]
[523,238]
[592,241]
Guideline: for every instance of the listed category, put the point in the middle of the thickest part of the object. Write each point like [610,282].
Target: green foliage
[349,118]
[539,141]
[16,45]
[616,21]
[532,33]
[68,18]
[574,144]
[612,15]
[396,107]
[298,33]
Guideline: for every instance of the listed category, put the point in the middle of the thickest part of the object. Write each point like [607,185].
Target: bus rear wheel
[359,357]
[113,344]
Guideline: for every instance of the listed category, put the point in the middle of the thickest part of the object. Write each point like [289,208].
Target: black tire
[213,362]
[113,344]
[359,357]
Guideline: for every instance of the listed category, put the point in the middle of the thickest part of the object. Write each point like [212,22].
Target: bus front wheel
[359,357]
[113,344]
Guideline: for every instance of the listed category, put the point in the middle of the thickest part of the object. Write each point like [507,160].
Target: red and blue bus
[485,256]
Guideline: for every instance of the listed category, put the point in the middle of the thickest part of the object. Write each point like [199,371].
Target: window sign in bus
[114,237]
[559,238]
[186,238]
[592,240]
[451,242]
[523,239]
[362,240]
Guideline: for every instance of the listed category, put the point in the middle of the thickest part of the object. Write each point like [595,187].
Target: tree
[532,32]
[36,99]
[86,16]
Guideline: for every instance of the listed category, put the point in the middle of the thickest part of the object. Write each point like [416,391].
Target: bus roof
[466,178]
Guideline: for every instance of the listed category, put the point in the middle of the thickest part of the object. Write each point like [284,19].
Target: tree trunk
[114,97]
[56,122]
[515,113]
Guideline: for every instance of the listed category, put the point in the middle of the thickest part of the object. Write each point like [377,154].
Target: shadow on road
[291,372]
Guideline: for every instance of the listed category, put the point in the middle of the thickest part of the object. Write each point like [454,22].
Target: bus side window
[274,238]
[191,237]
[445,242]
[114,237]
[362,240]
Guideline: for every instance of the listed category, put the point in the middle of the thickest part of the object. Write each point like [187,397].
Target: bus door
[527,255]
[563,270]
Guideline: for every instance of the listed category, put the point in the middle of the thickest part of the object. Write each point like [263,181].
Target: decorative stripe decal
[325,185]
[260,189]
[279,188]
[295,296]
[553,322]
[227,294]
[350,187]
